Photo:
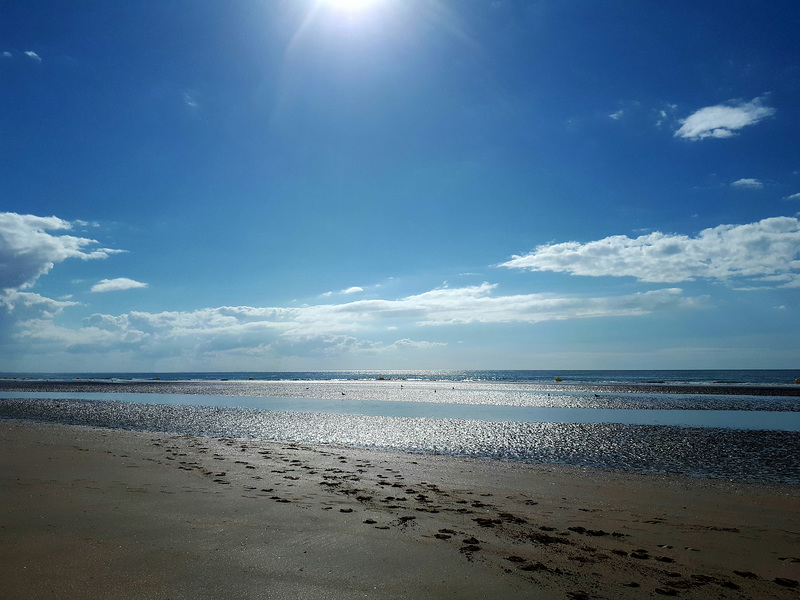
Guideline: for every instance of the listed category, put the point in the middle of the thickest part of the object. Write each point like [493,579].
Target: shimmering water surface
[734,424]
[535,412]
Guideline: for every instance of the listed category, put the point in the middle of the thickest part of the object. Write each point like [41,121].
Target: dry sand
[93,513]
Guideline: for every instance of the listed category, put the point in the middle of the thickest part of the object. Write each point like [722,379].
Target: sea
[740,425]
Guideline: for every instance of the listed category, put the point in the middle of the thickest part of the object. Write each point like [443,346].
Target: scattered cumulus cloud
[748,184]
[116,285]
[7,54]
[28,249]
[617,115]
[723,120]
[27,305]
[30,246]
[767,251]
[793,197]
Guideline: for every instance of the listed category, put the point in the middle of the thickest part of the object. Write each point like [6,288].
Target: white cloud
[33,55]
[416,345]
[476,305]
[329,330]
[442,306]
[617,115]
[770,247]
[190,100]
[749,184]
[793,197]
[351,290]
[6,54]
[116,285]
[723,120]
[28,251]
[44,335]
[27,305]
[81,223]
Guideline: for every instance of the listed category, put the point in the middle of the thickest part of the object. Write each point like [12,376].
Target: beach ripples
[708,452]
[518,394]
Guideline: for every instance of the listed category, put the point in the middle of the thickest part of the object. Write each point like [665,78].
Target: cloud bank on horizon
[766,252]
[408,185]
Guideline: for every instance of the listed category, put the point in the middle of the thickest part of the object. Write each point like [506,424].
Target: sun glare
[351,5]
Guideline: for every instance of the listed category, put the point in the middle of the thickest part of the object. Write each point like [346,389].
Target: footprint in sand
[746,574]
[515,559]
[667,591]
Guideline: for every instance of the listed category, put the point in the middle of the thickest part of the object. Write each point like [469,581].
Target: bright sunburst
[351,5]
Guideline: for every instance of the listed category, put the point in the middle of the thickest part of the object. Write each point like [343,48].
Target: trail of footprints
[388,501]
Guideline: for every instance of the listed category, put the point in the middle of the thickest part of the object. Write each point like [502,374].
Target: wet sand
[87,512]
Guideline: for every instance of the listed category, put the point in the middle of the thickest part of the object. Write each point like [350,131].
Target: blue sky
[322,184]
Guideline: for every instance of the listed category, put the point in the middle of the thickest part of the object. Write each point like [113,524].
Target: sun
[351,5]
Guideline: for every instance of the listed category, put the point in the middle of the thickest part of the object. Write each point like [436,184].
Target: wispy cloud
[33,55]
[665,113]
[351,290]
[190,100]
[28,251]
[330,330]
[723,120]
[793,197]
[747,183]
[755,251]
[406,343]
[116,285]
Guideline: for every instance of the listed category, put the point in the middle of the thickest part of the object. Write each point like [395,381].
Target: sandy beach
[99,513]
